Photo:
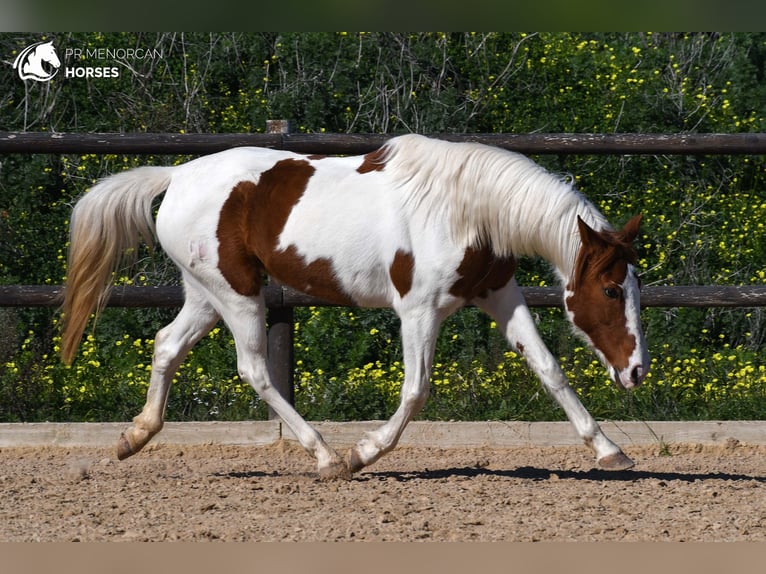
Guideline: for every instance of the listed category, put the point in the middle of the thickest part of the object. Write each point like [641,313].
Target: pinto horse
[421,225]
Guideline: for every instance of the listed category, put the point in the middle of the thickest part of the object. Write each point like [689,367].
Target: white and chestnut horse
[421,225]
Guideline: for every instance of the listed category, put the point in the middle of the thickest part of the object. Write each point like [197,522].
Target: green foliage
[704,217]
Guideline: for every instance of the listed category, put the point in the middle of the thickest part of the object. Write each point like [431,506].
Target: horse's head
[602,301]
[47,53]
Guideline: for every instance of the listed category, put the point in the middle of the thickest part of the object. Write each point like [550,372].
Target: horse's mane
[493,197]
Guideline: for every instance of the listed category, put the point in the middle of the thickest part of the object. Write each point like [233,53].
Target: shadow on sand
[532,473]
[523,473]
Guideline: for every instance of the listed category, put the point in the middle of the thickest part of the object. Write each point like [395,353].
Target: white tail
[107,222]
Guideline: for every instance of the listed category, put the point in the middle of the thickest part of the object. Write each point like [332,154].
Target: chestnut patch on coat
[482,271]
[239,265]
[316,278]
[373,161]
[251,221]
[600,317]
[401,271]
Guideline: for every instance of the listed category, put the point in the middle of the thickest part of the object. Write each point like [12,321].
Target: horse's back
[324,225]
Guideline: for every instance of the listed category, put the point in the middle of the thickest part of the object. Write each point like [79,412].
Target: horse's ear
[630,230]
[590,237]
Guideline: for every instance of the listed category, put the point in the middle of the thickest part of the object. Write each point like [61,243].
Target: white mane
[493,197]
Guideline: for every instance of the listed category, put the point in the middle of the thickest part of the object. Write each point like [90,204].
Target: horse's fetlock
[135,438]
[148,426]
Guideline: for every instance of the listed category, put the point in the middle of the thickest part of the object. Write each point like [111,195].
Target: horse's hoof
[124,450]
[616,461]
[337,469]
[353,461]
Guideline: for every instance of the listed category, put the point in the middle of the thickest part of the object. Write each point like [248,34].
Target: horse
[421,225]
[29,62]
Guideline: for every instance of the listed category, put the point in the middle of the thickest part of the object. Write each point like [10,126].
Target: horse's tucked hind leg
[171,345]
[419,333]
[511,313]
[245,317]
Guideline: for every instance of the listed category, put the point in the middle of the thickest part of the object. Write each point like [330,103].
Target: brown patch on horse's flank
[316,156]
[238,264]
[401,271]
[316,278]
[482,271]
[373,161]
[251,221]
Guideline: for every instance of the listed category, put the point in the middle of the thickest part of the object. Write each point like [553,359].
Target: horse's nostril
[635,375]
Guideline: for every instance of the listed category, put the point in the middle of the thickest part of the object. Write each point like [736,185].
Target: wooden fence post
[281,323]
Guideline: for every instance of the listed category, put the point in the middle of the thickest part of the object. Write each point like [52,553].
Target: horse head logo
[37,62]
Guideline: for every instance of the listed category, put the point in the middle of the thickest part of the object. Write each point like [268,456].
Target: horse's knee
[162,335]
[415,399]
[165,353]
[255,372]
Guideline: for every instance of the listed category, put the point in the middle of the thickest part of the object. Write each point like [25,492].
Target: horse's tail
[106,228]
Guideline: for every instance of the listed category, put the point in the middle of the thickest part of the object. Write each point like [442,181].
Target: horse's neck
[545,220]
[558,242]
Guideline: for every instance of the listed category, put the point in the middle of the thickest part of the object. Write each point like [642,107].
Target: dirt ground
[692,493]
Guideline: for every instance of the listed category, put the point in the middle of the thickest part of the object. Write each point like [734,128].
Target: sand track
[270,493]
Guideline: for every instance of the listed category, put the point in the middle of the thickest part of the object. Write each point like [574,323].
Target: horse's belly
[329,278]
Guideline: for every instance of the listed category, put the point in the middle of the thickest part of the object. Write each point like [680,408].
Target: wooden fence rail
[278,296]
[281,300]
[350,144]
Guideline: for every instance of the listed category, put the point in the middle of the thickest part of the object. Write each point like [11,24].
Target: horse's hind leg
[171,345]
[419,331]
[245,317]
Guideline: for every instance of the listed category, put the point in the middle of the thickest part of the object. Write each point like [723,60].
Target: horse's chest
[480,272]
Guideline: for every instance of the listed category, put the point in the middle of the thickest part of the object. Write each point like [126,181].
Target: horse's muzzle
[630,377]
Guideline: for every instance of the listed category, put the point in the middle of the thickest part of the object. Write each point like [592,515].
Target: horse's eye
[611,292]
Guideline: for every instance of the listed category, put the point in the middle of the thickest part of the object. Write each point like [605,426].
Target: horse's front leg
[419,330]
[509,310]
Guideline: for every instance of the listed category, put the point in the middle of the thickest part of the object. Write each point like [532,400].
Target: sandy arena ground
[272,493]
